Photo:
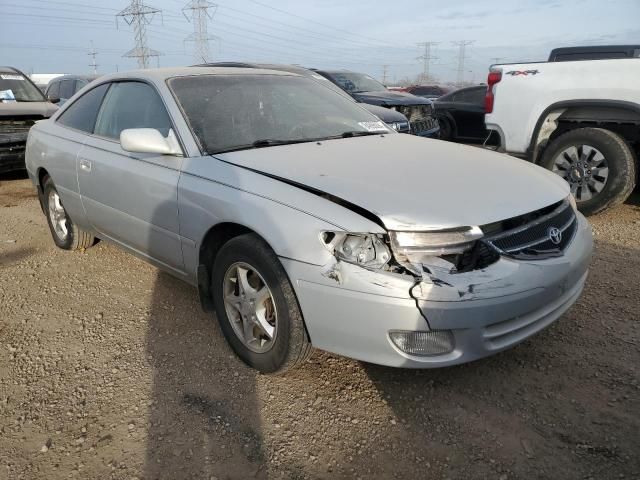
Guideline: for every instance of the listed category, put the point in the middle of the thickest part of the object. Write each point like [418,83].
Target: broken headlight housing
[365,249]
[414,246]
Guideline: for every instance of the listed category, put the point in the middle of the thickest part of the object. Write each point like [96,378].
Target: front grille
[534,239]
[421,117]
[19,124]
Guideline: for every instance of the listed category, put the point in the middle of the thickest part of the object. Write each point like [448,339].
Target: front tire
[598,164]
[66,235]
[256,306]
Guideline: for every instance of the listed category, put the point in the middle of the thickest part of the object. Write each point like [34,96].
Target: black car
[461,115]
[366,89]
[21,105]
[392,118]
[62,88]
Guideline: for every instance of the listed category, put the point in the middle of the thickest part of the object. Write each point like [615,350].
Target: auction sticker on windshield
[11,77]
[373,126]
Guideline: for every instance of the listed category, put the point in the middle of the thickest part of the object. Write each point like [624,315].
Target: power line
[462,45]
[426,58]
[200,37]
[140,15]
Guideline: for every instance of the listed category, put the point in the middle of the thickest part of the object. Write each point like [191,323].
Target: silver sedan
[304,221]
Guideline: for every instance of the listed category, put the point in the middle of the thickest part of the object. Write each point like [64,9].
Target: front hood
[385,114]
[15,109]
[389,98]
[412,183]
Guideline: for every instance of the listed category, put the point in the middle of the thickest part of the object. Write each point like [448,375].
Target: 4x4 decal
[516,73]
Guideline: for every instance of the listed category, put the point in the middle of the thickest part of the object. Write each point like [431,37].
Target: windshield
[356,82]
[234,112]
[16,88]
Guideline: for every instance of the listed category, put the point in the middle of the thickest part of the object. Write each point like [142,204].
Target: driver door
[131,198]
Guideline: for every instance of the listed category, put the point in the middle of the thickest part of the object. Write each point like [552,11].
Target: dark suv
[366,89]
[62,88]
[21,105]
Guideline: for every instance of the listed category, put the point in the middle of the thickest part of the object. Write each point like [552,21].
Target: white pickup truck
[580,119]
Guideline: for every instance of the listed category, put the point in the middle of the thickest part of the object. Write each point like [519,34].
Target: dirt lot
[108,369]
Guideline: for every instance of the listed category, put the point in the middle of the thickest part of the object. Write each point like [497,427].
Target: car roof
[76,77]
[161,74]
[264,66]
[9,70]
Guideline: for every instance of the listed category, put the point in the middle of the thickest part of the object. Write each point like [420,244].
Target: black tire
[619,157]
[446,129]
[291,345]
[76,239]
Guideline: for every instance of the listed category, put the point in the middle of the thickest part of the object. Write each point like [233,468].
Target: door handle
[85,165]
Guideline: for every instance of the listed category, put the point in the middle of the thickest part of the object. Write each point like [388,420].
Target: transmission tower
[92,53]
[385,69]
[462,45]
[139,15]
[426,58]
[495,60]
[201,12]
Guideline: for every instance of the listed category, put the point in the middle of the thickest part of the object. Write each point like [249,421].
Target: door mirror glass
[149,140]
[54,99]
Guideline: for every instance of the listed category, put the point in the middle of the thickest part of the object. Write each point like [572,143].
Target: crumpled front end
[13,140]
[433,314]
[422,119]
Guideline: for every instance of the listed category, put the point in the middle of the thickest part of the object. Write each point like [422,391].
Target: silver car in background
[304,221]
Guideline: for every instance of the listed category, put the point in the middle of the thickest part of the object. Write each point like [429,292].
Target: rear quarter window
[82,113]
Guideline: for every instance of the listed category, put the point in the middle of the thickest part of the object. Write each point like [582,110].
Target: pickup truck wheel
[65,233]
[256,306]
[598,165]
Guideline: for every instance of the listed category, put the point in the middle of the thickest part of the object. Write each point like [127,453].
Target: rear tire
[66,235]
[289,346]
[598,164]
[446,129]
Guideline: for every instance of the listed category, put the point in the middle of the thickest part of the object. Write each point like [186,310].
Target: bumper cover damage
[350,310]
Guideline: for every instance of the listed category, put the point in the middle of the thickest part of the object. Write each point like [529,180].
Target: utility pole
[92,53]
[200,37]
[384,74]
[462,45]
[426,58]
[139,15]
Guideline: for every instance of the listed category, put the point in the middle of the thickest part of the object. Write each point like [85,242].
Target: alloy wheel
[58,216]
[585,168]
[250,307]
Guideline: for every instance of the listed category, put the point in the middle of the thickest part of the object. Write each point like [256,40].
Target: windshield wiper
[267,142]
[358,133]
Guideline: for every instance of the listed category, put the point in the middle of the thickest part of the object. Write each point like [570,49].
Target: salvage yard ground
[108,369]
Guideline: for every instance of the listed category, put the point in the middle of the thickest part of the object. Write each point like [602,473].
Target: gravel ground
[108,369]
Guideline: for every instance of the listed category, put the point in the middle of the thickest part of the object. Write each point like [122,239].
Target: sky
[378,37]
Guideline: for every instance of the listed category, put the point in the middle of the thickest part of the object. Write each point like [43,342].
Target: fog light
[437,342]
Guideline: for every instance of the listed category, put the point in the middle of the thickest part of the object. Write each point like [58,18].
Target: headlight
[398,126]
[435,243]
[365,249]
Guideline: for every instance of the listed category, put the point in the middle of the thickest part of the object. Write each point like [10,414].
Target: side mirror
[54,99]
[149,140]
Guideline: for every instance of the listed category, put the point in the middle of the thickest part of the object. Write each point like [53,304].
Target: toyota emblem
[555,235]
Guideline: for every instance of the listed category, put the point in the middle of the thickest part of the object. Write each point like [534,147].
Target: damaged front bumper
[351,311]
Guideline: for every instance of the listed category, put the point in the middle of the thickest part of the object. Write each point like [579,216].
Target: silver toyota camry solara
[304,221]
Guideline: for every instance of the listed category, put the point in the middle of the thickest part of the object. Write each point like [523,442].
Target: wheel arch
[577,113]
[41,173]
[211,243]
